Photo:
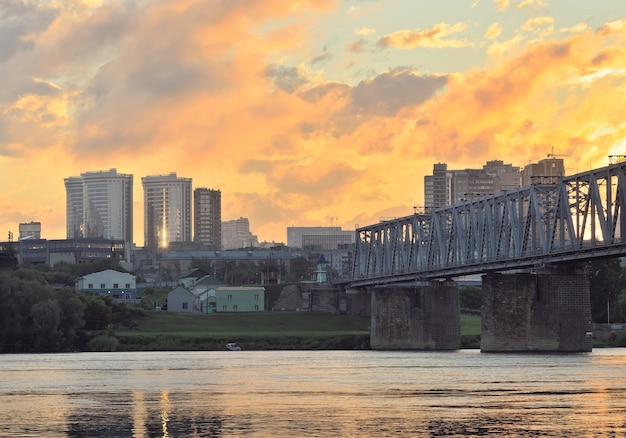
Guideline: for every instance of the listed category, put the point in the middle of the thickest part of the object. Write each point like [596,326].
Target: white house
[119,285]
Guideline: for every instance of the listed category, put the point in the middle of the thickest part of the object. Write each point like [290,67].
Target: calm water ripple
[313,394]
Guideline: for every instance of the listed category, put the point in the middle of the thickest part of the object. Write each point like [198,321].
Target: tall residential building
[236,234]
[107,205]
[207,217]
[167,210]
[74,207]
[445,187]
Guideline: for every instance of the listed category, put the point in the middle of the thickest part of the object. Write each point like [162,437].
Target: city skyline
[312,113]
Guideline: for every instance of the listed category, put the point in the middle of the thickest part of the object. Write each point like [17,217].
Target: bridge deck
[578,218]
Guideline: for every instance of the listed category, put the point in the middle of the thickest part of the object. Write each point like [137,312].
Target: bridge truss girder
[578,218]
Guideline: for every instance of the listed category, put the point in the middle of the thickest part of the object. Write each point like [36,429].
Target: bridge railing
[579,217]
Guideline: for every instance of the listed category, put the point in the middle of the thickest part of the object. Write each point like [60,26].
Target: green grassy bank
[258,331]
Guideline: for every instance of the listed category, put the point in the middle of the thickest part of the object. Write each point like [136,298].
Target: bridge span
[560,219]
[531,244]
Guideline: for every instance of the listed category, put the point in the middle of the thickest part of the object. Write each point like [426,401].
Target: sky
[301,112]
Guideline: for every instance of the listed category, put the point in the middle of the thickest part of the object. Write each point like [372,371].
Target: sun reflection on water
[165,412]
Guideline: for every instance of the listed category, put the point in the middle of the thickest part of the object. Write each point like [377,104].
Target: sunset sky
[303,113]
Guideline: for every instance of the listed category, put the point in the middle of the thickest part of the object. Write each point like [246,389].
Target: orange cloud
[433,37]
[537,22]
[226,93]
[502,4]
[493,31]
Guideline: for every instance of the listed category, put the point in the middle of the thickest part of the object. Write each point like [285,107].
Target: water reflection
[331,394]
[140,414]
[165,413]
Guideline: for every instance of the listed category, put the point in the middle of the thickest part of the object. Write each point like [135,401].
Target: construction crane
[552,155]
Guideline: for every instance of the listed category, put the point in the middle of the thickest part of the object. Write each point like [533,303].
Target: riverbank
[165,331]
[254,331]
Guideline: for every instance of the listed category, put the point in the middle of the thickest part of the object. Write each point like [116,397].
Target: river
[313,394]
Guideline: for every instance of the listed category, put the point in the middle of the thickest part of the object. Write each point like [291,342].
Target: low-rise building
[201,298]
[117,285]
[181,299]
[239,299]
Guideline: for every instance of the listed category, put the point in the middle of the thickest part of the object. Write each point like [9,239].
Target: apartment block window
[230,297]
[127,285]
[256,297]
[115,286]
[235,307]
[102,285]
[185,306]
[256,307]
[90,285]
[224,307]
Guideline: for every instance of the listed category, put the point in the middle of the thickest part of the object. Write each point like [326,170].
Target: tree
[606,281]
[33,316]
[19,292]
[619,308]
[205,264]
[97,314]
[470,297]
[46,317]
[72,316]
[300,269]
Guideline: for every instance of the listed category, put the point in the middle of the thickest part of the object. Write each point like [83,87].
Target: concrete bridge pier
[425,317]
[547,311]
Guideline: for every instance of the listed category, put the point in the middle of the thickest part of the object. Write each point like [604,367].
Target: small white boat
[232,346]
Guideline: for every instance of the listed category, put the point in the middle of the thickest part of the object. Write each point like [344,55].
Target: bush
[620,339]
[103,343]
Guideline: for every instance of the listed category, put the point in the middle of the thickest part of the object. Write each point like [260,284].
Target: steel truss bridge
[574,218]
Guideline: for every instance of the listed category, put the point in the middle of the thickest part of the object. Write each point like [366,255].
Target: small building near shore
[239,299]
[208,295]
[117,285]
[181,299]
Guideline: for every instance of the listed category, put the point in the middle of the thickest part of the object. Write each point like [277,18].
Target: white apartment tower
[100,204]
[207,217]
[167,210]
[108,205]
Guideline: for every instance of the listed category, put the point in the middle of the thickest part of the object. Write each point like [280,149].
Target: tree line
[36,316]
[41,311]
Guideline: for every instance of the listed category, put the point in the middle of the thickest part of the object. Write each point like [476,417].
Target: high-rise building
[445,187]
[74,207]
[207,217]
[107,205]
[236,234]
[167,210]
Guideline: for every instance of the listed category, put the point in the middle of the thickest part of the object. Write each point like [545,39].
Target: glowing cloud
[276,105]
[433,37]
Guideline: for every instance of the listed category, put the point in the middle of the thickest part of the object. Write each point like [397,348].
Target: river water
[313,394]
